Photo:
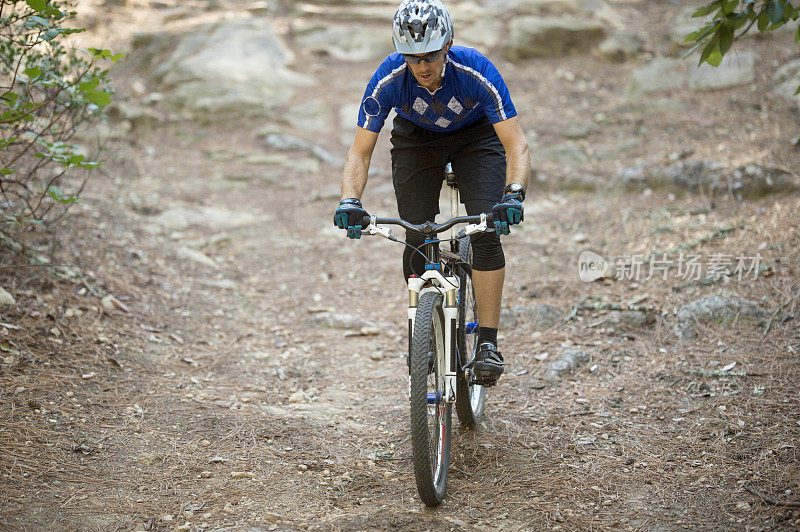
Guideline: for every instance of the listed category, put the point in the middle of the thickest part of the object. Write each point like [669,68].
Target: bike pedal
[486,382]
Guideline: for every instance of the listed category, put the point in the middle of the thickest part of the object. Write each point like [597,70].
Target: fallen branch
[587,304]
[720,373]
[777,310]
[769,500]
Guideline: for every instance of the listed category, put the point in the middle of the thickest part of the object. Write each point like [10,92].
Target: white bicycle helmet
[421,26]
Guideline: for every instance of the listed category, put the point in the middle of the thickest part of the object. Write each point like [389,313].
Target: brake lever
[374,229]
[477,228]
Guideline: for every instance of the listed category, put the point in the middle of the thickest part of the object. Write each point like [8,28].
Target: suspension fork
[451,329]
[448,287]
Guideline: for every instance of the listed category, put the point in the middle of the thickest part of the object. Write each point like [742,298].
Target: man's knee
[487,252]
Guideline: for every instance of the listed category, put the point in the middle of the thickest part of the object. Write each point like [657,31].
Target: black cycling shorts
[479,163]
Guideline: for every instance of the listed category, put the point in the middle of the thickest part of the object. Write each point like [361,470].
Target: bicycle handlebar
[428,228]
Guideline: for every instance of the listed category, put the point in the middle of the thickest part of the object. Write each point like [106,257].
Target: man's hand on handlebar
[508,212]
[350,215]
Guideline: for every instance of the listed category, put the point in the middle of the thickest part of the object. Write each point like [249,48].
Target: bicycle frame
[434,280]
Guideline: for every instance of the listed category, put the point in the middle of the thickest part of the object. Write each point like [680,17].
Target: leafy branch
[47,92]
[727,17]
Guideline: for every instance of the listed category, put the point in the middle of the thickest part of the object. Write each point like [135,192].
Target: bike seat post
[450,176]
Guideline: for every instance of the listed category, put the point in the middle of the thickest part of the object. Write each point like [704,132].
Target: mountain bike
[442,333]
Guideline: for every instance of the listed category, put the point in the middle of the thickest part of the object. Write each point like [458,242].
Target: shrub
[48,90]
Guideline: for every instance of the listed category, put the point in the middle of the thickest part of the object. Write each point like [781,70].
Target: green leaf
[106,54]
[94,95]
[763,21]
[797,35]
[790,11]
[98,97]
[33,20]
[736,20]
[707,9]
[701,33]
[10,97]
[705,53]
[57,195]
[774,11]
[52,11]
[6,171]
[715,57]
[37,5]
[51,34]
[33,72]
[729,6]
[692,50]
[8,349]
[725,40]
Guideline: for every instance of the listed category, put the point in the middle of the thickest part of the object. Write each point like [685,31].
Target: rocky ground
[224,358]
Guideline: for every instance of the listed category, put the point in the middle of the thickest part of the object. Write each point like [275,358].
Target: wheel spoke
[469,398]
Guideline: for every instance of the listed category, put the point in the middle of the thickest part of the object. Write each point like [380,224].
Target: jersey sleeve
[381,95]
[492,92]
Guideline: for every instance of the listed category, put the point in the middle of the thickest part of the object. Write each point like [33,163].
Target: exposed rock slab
[620,47]
[787,79]
[665,74]
[340,321]
[346,43]
[292,143]
[222,71]
[660,74]
[6,299]
[629,319]
[568,362]
[180,218]
[718,309]
[532,37]
[708,176]
[737,68]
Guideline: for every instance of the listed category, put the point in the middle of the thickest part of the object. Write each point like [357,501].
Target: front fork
[450,309]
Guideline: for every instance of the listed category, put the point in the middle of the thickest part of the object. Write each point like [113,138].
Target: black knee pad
[487,252]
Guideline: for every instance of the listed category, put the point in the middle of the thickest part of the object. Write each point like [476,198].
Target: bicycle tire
[430,424]
[470,398]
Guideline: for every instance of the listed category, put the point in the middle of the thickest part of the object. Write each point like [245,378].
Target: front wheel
[470,398]
[430,414]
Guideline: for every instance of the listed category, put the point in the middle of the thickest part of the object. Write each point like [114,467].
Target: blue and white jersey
[471,89]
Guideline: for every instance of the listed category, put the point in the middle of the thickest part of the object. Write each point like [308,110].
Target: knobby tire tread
[428,309]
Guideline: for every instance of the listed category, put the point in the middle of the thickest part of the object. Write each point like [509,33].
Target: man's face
[428,72]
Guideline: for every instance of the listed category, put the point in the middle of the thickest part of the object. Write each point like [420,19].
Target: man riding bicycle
[452,106]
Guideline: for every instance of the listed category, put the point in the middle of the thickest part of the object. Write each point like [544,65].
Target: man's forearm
[354,177]
[518,166]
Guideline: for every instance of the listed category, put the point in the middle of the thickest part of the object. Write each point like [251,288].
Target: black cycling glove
[508,212]
[349,215]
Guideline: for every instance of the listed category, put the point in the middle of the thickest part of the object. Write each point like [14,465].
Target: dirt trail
[218,398]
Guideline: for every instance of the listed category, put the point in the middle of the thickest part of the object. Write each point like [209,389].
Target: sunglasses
[430,57]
